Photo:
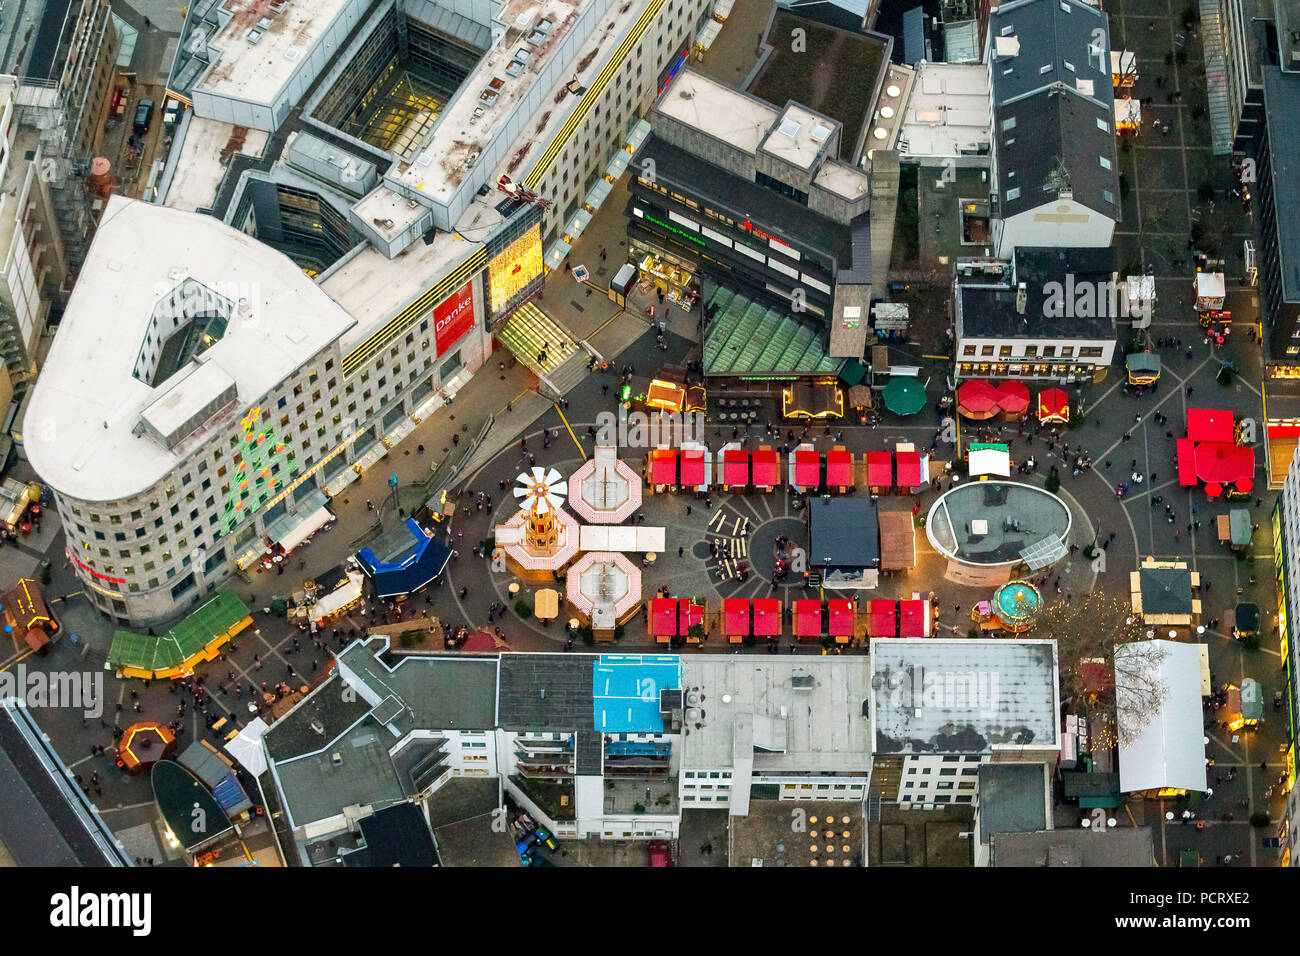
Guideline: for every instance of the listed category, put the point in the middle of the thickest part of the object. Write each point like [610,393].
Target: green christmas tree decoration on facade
[254,483]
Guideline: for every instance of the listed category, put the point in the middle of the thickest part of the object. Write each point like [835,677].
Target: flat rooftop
[804,713]
[258,70]
[947,113]
[429,692]
[469,123]
[953,695]
[353,769]
[87,400]
[799,137]
[835,76]
[204,156]
[1122,846]
[737,119]
[994,522]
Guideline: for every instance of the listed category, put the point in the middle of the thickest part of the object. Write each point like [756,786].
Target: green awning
[904,396]
[853,372]
[225,614]
[1143,362]
[1108,803]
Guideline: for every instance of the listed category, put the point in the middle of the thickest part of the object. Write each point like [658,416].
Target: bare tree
[1088,632]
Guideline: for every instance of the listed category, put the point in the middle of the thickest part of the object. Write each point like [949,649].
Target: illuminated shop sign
[676,231]
[747,225]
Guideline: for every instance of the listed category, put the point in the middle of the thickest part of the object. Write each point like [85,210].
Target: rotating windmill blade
[541,488]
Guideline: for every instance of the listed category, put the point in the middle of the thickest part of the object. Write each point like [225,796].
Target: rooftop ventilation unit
[252,36]
[820,133]
[790,128]
[264,23]
[292,53]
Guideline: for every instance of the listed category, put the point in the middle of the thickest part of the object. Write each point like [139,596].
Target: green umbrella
[904,396]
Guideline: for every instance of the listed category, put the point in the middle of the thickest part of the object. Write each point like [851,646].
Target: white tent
[247,747]
[990,461]
[309,526]
[339,598]
[1158,700]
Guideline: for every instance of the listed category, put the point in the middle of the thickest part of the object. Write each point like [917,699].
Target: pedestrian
[681,552]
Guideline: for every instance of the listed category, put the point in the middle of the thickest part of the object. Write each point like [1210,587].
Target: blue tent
[403,560]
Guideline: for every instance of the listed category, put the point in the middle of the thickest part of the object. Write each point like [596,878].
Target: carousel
[541,537]
[1014,607]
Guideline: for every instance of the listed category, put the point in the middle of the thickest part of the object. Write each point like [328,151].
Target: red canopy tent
[883,620]
[807,468]
[767,617]
[735,617]
[880,469]
[1223,462]
[735,467]
[914,618]
[663,617]
[841,614]
[977,399]
[692,467]
[767,468]
[689,614]
[1185,449]
[1209,424]
[1014,398]
[663,466]
[1053,406]
[909,470]
[839,468]
[808,618]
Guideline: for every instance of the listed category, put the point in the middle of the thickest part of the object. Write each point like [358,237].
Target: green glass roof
[748,338]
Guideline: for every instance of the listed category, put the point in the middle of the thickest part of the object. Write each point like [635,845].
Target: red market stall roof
[1014,397]
[839,468]
[692,467]
[1223,462]
[807,468]
[880,469]
[767,617]
[663,466]
[767,469]
[909,469]
[663,617]
[808,618]
[690,614]
[735,467]
[735,616]
[841,613]
[978,397]
[1209,424]
[884,618]
[1186,449]
[1053,405]
[915,618]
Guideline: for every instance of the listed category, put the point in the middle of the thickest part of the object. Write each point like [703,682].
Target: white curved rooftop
[80,430]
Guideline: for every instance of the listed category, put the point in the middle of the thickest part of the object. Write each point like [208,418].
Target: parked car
[143,116]
[661,853]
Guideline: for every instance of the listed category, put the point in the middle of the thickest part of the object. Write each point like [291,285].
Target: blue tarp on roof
[625,691]
[403,560]
[231,797]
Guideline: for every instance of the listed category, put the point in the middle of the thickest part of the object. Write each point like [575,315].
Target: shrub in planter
[522,609]
[1259,819]
[1053,483]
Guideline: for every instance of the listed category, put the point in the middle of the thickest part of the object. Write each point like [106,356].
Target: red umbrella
[1015,398]
[1214,489]
[1244,485]
[1209,424]
[1223,462]
[977,399]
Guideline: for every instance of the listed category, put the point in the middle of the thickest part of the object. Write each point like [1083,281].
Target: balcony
[657,797]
